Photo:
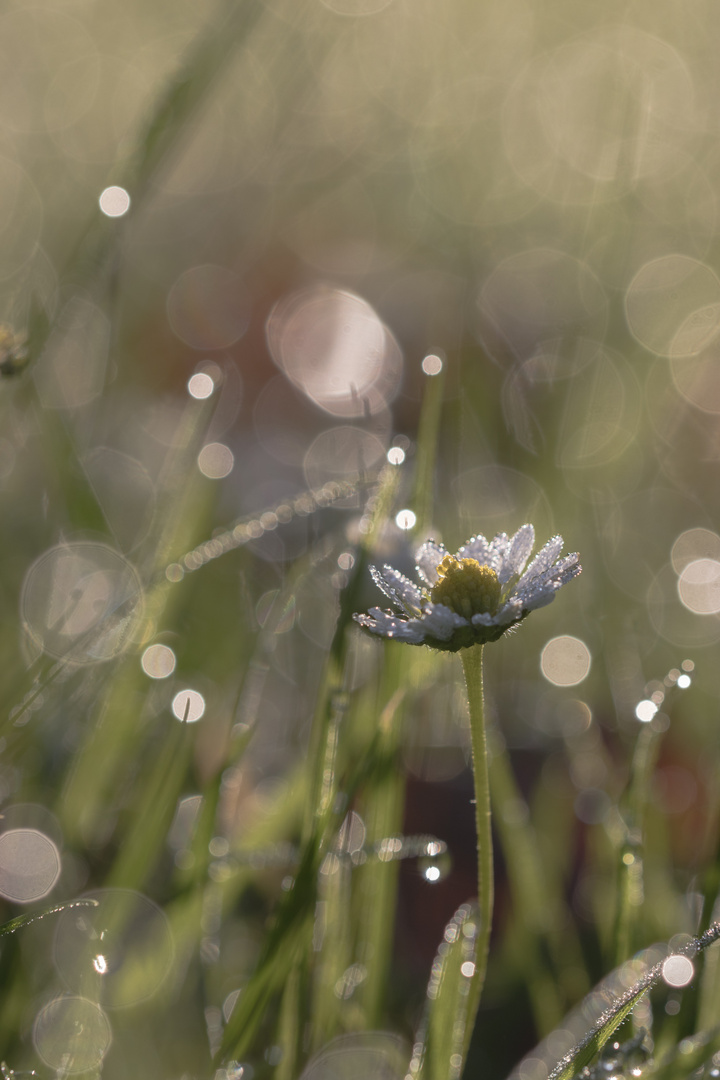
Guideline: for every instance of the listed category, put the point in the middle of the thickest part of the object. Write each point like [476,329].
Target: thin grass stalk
[531,898]
[426,454]
[385,802]
[630,871]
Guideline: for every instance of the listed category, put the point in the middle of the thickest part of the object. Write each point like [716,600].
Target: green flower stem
[472,667]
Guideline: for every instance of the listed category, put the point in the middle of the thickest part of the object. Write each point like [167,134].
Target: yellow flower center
[466,587]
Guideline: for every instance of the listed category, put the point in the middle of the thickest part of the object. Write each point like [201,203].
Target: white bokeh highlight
[114,201]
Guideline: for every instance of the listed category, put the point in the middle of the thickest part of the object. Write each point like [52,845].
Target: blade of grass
[630,866]
[535,911]
[383,809]
[440,1046]
[422,499]
[586,1049]
[20,921]
[153,808]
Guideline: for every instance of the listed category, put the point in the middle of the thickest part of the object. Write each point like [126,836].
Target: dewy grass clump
[471,597]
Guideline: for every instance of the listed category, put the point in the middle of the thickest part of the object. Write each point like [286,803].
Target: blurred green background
[239,244]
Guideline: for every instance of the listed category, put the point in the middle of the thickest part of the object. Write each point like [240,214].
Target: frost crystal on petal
[497,549]
[386,625]
[398,588]
[441,621]
[464,616]
[428,558]
[517,554]
[544,558]
[476,548]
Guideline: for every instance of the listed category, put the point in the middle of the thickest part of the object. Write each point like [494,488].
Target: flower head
[473,596]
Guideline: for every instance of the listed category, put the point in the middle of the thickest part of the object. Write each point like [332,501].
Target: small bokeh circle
[158,661]
[673,305]
[188,706]
[200,385]
[29,865]
[565,660]
[72,1035]
[699,586]
[114,201]
[81,602]
[207,307]
[678,971]
[216,461]
[119,952]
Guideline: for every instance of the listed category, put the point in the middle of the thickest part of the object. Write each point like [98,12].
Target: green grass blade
[283,946]
[439,1048]
[586,1049]
[630,865]
[24,920]
[422,499]
[153,809]
[382,810]
[539,918]
[204,63]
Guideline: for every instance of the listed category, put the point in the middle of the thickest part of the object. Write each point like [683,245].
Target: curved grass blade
[25,920]
[440,1044]
[584,1051]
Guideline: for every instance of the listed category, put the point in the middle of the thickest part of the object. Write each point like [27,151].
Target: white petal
[540,598]
[518,551]
[483,619]
[497,550]
[429,557]
[568,568]
[399,588]
[476,548]
[559,574]
[537,593]
[510,612]
[391,626]
[441,622]
[542,561]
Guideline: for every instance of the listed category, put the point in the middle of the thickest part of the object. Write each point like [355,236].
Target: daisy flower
[473,596]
